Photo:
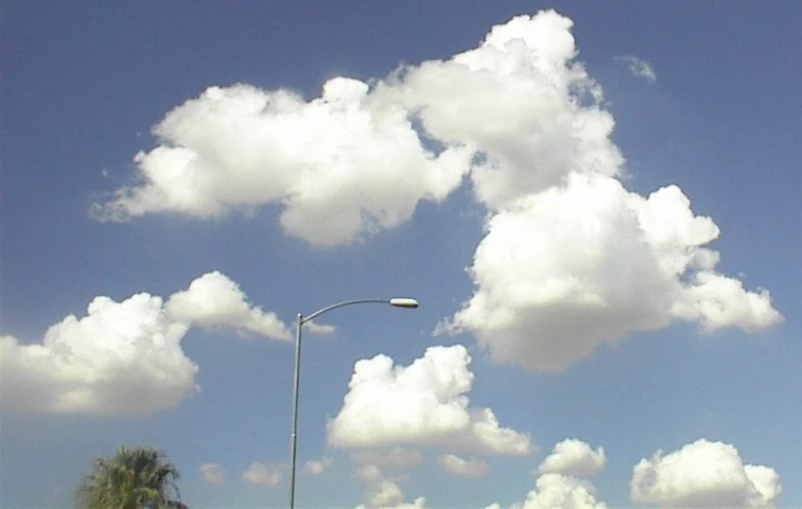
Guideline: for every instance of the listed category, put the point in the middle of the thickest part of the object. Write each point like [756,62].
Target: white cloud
[317,467]
[383,492]
[574,457]
[425,404]
[553,491]
[587,263]
[522,103]
[418,503]
[344,165]
[123,358]
[350,163]
[395,457]
[639,67]
[212,473]
[214,300]
[703,474]
[261,474]
[471,467]
[570,259]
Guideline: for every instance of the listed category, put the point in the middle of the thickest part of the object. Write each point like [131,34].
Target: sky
[596,205]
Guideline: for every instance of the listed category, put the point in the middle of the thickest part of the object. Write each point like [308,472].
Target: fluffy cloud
[124,358]
[425,403]
[574,457]
[559,491]
[471,467]
[703,474]
[121,358]
[395,458]
[570,259]
[639,67]
[316,467]
[587,263]
[261,474]
[343,165]
[213,300]
[384,492]
[522,103]
[212,473]
[351,162]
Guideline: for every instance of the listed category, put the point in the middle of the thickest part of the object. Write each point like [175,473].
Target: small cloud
[212,473]
[319,328]
[638,67]
[261,474]
[316,467]
[574,457]
[472,467]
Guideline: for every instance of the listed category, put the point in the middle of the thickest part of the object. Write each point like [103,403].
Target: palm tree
[134,478]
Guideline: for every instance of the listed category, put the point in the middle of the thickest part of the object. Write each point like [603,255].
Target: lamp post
[300,320]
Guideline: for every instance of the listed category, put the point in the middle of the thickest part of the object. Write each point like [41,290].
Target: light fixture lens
[404,302]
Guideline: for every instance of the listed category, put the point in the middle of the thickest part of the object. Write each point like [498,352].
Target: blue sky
[591,309]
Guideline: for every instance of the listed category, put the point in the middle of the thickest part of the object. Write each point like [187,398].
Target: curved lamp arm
[401,302]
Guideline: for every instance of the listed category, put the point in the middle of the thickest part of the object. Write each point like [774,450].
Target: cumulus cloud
[471,467]
[124,358]
[317,467]
[574,457]
[382,491]
[522,102]
[425,404]
[214,300]
[351,162]
[212,473]
[570,259]
[586,263]
[121,358]
[559,491]
[703,474]
[638,67]
[261,474]
[394,458]
[343,165]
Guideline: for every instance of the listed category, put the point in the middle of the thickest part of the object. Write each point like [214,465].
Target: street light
[300,320]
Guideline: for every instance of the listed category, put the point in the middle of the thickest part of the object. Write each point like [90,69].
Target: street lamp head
[404,302]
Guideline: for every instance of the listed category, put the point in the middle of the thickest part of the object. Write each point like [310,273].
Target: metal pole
[294,433]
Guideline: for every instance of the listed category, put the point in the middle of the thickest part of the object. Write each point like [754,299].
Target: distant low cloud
[559,491]
[264,475]
[704,474]
[125,358]
[638,67]
[382,491]
[574,457]
[423,404]
[317,467]
[212,473]
[462,467]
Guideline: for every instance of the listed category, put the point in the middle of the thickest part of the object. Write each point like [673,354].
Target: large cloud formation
[704,474]
[346,164]
[588,262]
[570,258]
[425,404]
[125,358]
